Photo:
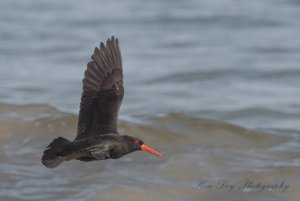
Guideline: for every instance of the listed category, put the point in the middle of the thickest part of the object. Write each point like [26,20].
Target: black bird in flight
[97,135]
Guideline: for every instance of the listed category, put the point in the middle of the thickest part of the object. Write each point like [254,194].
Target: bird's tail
[52,155]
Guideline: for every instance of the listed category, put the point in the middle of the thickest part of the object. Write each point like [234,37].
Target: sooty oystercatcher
[97,135]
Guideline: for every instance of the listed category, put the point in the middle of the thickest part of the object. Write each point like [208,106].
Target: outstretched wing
[102,91]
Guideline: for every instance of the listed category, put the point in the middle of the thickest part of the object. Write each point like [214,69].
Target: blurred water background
[213,84]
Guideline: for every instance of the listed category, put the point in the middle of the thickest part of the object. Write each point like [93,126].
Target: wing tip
[109,41]
[105,66]
[102,46]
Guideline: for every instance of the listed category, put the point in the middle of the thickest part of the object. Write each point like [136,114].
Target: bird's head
[136,144]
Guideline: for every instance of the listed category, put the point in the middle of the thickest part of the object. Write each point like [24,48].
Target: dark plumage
[97,134]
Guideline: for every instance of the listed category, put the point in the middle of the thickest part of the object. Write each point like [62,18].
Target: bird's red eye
[135,141]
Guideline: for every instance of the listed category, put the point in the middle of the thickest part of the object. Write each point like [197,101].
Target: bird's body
[97,135]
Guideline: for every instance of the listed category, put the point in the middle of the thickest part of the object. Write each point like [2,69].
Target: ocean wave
[193,147]
[44,122]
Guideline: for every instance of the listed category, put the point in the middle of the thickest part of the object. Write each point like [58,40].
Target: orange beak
[152,151]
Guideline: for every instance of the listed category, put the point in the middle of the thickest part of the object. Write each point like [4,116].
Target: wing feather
[102,91]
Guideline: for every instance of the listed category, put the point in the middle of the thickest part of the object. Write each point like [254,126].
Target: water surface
[213,84]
